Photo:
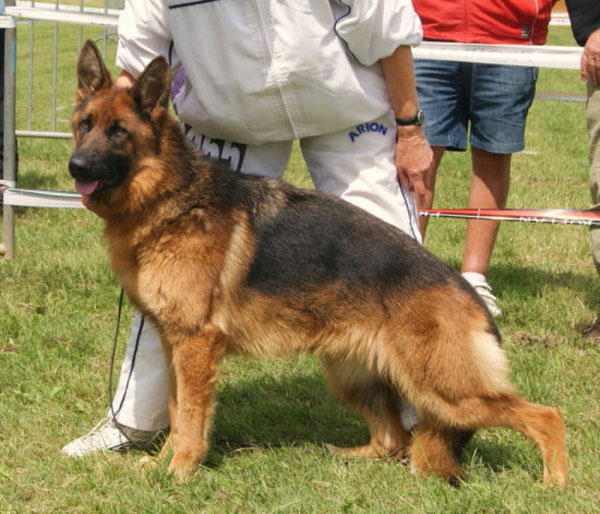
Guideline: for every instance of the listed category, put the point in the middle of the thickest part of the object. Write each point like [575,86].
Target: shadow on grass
[526,283]
[262,415]
[264,412]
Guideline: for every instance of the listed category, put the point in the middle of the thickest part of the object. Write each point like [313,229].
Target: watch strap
[417,119]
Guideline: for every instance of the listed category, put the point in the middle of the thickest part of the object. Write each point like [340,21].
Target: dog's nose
[78,165]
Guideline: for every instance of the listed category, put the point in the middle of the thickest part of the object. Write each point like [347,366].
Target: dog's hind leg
[377,402]
[434,451]
[195,362]
[540,423]
[456,376]
[543,425]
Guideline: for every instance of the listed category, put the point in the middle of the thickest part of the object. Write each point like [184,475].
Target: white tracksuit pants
[357,164]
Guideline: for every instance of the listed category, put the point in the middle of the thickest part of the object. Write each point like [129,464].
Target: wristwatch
[417,120]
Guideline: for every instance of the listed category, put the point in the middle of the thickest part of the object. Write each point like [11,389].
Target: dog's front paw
[183,464]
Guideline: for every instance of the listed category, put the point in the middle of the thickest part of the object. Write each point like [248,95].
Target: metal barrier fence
[103,14]
[55,13]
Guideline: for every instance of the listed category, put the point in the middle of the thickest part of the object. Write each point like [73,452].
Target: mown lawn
[58,304]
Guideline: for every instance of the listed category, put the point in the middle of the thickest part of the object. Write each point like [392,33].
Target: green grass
[58,302]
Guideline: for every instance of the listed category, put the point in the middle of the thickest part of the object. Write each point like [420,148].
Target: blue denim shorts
[495,100]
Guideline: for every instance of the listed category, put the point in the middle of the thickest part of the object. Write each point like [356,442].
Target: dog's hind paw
[557,477]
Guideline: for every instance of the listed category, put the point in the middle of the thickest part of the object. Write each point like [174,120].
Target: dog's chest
[124,262]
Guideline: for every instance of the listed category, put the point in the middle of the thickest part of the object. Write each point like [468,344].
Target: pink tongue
[85,188]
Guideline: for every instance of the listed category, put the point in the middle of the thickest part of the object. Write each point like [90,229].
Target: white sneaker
[478,282]
[106,436]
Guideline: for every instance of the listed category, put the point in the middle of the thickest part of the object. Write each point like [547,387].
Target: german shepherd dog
[226,262]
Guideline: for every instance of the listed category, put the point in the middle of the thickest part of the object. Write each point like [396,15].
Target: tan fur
[491,363]
[187,269]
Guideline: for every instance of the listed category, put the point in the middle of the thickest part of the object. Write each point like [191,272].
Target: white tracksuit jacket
[270,71]
[258,71]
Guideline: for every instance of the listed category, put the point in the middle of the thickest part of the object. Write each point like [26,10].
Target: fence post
[7,23]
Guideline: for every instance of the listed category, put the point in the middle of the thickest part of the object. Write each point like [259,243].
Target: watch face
[420,117]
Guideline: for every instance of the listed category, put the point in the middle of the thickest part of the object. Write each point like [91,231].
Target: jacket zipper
[268,52]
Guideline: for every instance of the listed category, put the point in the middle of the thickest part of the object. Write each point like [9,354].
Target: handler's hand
[414,160]
[590,59]
[125,80]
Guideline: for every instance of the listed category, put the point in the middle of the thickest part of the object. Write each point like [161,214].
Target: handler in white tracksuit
[250,77]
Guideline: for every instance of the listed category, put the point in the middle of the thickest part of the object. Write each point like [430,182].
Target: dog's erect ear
[92,74]
[153,85]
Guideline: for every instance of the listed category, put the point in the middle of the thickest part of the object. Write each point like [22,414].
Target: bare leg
[425,201]
[489,189]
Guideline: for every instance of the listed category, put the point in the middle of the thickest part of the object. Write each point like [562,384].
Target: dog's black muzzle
[108,171]
[80,166]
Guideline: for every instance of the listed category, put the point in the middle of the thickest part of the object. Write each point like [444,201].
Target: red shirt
[516,22]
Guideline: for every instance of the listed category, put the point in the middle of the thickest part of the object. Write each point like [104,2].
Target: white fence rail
[106,17]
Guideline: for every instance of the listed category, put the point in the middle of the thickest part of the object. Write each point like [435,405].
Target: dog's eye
[117,129]
[85,124]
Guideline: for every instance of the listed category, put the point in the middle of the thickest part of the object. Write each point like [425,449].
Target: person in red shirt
[510,22]
[490,100]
